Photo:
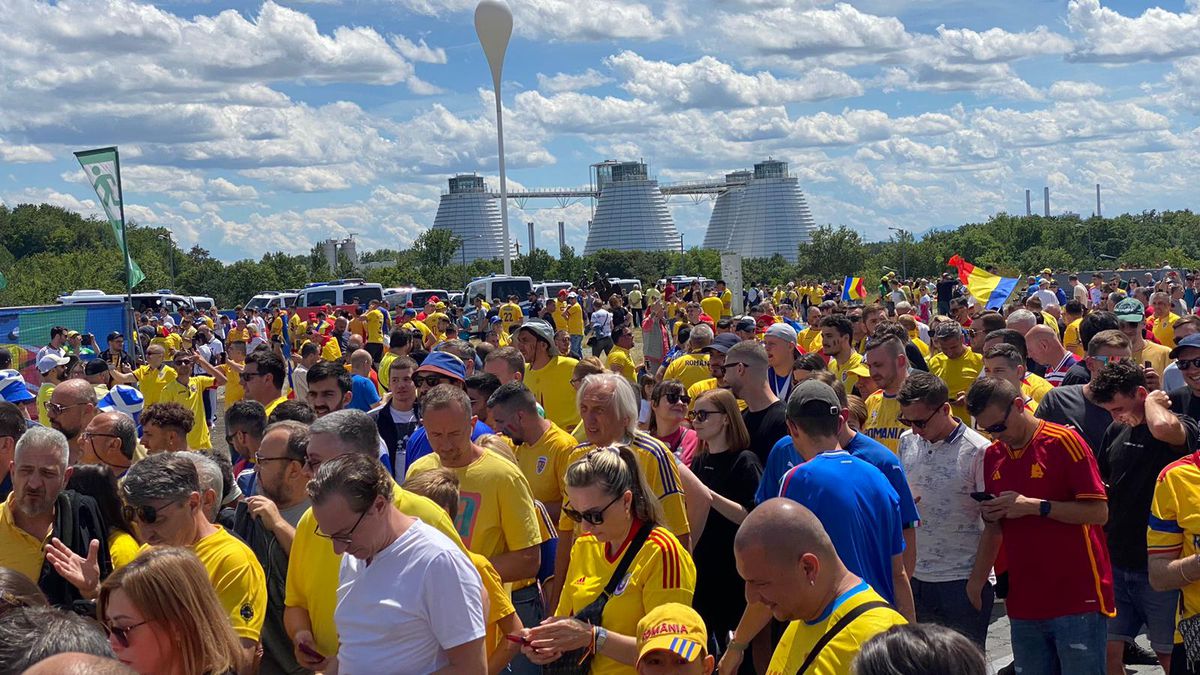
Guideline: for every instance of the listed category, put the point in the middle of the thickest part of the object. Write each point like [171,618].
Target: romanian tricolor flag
[989,290]
[853,288]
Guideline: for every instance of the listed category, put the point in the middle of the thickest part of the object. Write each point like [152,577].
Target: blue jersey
[784,456]
[363,394]
[859,510]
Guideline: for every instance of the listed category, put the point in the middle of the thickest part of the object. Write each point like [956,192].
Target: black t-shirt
[915,358]
[766,427]
[945,291]
[1130,464]
[1068,406]
[1077,374]
[1184,402]
[720,597]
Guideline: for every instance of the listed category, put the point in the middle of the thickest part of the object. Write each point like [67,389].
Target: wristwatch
[1044,508]
[601,638]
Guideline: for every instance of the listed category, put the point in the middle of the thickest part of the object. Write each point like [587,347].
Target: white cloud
[1105,35]
[1069,90]
[560,82]
[23,154]
[418,52]
[569,21]
[223,190]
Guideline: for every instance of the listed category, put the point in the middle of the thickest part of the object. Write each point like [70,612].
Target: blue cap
[723,343]
[12,387]
[443,363]
[1189,341]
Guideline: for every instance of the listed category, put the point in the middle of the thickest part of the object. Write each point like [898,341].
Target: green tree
[436,248]
[832,253]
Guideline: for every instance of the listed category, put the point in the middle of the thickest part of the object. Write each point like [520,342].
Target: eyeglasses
[88,435]
[1187,364]
[343,539]
[675,397]
[146,513]
[259,459]
[58,409]
[999,427]
[917,424]
[121,633]
[702,416]
[1105,360]
[714,368]
[594,516]
[428,380]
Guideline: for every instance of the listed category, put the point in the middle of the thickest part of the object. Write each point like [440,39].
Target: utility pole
[902,235]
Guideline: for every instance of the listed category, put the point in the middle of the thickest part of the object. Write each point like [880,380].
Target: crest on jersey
[1036,471]
[621,586]
[541,464]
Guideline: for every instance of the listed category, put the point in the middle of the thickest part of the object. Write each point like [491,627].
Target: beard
[33,506]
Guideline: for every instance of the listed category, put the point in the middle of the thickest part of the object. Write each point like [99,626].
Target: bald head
[77,390]
[783,530]
[75,663]
[1042,345]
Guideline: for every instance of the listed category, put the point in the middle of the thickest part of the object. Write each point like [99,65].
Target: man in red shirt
[1049,504]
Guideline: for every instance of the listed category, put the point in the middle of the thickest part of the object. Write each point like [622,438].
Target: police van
[340,293]
[495,286]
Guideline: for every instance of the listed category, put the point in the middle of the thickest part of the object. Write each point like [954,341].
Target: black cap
[95,367]
[114,335]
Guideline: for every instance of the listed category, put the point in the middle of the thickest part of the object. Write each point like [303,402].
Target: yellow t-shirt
[574,315]
[618,361]
[192,398]
[509,313]
[958,374]
[712,306]
[545,463]
[849,372]
[1174,530]
[1071,339]
[43,397]
[661,572]
[835,658]
[1164,330]
[495,505]
[413,324]
[357,327]
[19,550]
[726,304]
[689,369]
[883,420]
[374,322]
[234,391]
[499,602]
[152,382]
[661,474]
[296,328]
[277,326]
[702,386]
[270,407]
[238,579]
[921,346]
[385,368]
[313,567]
[551,386]
[332,350]
[1035,387]
[810,339]
[1158,356]
[122,548]
[238,335]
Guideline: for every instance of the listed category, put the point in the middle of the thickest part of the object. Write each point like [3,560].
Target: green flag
[3,282]
[103,169]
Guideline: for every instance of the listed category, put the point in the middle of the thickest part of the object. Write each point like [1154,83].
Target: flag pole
[129,327]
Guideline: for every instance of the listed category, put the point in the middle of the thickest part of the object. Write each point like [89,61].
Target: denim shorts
[1140,605]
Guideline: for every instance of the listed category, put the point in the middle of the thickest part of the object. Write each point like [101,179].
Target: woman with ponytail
[623,564]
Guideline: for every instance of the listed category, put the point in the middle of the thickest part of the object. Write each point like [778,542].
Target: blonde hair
[171,588]
[497,444]
[736,434]
[858,411]
[439,485]
[588,365]
[614,470]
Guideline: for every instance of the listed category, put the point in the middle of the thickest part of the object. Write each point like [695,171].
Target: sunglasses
[121,633]
[343,539]
[1105,360]
[702,416]
[674,397]
[917,424]
[145,513]
[428,380]
[1187,364]
[58,409]
[997,428]
[594,516]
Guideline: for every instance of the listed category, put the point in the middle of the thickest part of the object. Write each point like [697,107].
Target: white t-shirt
[1081,294]
[1048,298]
[419,597]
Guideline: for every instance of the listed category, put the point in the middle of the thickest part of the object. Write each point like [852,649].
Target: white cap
[782,331]
[51,361]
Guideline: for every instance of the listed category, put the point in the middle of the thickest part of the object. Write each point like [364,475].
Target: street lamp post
[170,254]
[903,250]
[493,25]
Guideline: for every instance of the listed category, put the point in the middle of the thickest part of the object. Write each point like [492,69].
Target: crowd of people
[807,486]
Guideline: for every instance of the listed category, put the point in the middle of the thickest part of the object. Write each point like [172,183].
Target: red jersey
[1055,568]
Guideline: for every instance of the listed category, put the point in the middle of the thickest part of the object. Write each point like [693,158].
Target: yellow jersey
[726,304]
[958,374]
[838,654]
[661,474]
[574,315]
[1071,339]
[1164,330]
[277,326]
[238,579]
[331,350]
[551,386]
[499,603]
[509,313]
[191,397]
[545,463]
[1174,530]
[234,391]
[313,567]
[43,397]
[712,306]
[883,420]
[122,548]
[702,386]
[689,369]
[1035,387]
[374,323]
[238,335]
[850,371]
[1158,356]
[661,572]
[385,368]
[19,550]
[921,346]
[152,382]
[619,362]
[413,324]
[810,339]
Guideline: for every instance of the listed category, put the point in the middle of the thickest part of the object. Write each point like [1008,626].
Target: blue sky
[249,127]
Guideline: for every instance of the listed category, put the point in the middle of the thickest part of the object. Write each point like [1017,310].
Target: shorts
[1140,605]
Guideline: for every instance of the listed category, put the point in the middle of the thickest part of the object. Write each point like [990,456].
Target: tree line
[46,251]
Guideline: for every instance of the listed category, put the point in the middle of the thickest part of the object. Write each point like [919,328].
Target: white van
[626,285]
[400,297]
[202,303]
[268,300]
[339,293]
[497,286]
[550,289]
[141,301]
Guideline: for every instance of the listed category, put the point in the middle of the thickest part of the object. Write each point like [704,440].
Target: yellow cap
[1047,271]
[672,627]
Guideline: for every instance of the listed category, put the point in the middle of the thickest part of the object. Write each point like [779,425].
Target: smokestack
[1097,200]
[1028,204]
[531,246]
[562,239]
[1046,196]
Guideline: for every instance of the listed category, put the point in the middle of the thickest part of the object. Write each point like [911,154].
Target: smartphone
[518,639]
[1149,365]
[982,496]
[309,651]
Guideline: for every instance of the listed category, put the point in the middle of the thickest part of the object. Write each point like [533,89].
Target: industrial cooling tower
[631,212]
[724,214]
[470,212]
[772,215]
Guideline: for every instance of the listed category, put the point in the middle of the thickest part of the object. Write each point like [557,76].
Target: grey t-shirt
[1067,405]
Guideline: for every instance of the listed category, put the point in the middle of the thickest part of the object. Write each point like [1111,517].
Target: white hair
[40,438]
[624,398]
[1021,316]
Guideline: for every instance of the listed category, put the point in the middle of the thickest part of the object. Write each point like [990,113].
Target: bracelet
[1183,573]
